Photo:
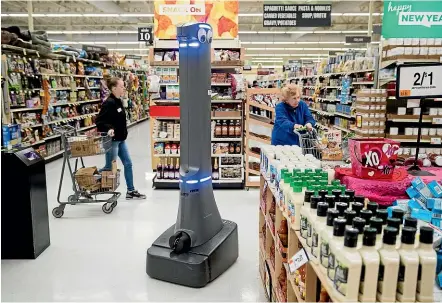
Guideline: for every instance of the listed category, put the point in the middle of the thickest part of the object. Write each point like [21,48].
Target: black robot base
[199,266]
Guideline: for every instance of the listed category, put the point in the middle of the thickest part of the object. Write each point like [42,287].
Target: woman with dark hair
[112,120]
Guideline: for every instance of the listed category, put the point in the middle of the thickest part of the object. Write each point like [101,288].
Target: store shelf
[168,84]
[256,120]
[405,138]
[327,99]
[363,83]
[262,140]
[261,106]
[165,140]
[404,59]
[226,139]
[226,101]
[411,118]
[252,154]
[255,172]
[54,155]
[227,118]
[69,75]
[34,144]
[345,73]
[52,137]
[212,155]
[342,129]
[72,118]
[321,112]
[75,102]
[221,84]
[25,109]
[344,115]
[86,127]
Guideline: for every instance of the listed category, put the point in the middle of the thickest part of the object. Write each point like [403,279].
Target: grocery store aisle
[99,257]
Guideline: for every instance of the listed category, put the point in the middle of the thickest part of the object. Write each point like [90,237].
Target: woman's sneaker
[134,194]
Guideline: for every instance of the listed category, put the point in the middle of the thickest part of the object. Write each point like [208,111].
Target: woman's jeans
[120,148]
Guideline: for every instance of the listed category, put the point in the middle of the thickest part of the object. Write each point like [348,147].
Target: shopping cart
[88,188]
[309,142]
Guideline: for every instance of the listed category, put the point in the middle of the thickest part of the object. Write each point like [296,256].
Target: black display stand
[415,170]
[25,222]
[423,93]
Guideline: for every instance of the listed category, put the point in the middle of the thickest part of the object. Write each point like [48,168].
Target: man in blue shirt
[291,114]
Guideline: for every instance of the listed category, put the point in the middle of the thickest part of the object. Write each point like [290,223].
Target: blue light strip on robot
[196,181]
[205,179]
[194,44]
[183,44]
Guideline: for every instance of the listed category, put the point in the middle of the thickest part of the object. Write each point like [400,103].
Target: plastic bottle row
[366,255]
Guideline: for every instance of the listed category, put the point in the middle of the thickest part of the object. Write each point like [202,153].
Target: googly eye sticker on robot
[205,36]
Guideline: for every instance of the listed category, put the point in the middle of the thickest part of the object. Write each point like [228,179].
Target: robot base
[200,265]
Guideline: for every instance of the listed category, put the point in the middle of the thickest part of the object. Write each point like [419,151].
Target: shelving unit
[272,271]
[330,111]
[165,109]
[36,120]
[262,123]
[397,124]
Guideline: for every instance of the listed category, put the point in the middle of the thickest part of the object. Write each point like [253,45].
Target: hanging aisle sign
[296,15]
[357,39]
[145,35]
[412,19]
[419,81]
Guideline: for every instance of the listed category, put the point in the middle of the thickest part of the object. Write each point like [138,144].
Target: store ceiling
[118,29]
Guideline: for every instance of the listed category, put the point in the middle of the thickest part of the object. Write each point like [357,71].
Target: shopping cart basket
[310,144]
[91,187]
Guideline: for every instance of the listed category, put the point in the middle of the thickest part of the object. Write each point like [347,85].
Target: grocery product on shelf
[427,265]
[389,268]
[408,268]
[370,266]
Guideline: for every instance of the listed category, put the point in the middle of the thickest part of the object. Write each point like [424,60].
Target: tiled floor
[99,257]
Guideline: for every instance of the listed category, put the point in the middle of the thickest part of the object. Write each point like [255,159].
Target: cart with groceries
[89,185]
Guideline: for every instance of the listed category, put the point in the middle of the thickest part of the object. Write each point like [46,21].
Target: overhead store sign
[412,19]
[296,15]
[94,48]
[145,35]
[183,9]
[134,57]
[419,81]
[222,15]
[357,39]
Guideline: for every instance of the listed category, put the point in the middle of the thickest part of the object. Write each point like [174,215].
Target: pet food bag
[373,158]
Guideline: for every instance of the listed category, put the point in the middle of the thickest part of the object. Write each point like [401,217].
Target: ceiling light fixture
[271,32]
[268,61]
[101,15]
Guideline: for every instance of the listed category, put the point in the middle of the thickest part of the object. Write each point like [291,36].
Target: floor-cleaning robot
[200,246]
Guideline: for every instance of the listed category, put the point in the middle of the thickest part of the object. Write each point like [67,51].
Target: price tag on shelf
[299,259]
[437,120]
[435,140]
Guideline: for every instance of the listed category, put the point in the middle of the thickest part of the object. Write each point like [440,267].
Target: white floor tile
[99,257]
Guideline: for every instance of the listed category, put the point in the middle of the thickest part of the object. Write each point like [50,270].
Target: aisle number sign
[412,19]
[419,81]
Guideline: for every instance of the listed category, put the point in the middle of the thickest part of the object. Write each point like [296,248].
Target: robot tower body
[210,243]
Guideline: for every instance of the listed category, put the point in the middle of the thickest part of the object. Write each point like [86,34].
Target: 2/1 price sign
[145,34]
[419,81]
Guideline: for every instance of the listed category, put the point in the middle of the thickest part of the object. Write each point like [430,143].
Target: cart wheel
[107,208]
[114,204]
[247,188]
[57,212]
[72,199]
